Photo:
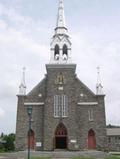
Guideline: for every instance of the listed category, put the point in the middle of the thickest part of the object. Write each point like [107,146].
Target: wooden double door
[60,137]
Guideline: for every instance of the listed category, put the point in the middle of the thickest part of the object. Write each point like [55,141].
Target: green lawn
[83,158]
[111,157]
[114,157]
[40,158]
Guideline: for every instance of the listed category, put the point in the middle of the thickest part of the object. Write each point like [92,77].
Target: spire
[99,87]
[61,16]
[61,26]
[22,87]
[60,45]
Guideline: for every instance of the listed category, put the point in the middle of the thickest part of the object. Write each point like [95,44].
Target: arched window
[65,52]
[56,53]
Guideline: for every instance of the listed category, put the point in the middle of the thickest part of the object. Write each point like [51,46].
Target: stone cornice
[87,103]
[33,103]
[69,66]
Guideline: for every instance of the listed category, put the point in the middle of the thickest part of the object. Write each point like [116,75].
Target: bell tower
[60,45]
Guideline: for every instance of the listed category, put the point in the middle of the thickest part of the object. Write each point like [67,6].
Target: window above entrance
[60,106]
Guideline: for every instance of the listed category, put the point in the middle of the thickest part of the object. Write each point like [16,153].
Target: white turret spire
[61,26]
[22,87]
[99,87]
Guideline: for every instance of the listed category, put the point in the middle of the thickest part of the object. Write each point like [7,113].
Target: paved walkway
[55,154]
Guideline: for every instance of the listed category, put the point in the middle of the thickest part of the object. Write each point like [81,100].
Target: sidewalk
[55,154]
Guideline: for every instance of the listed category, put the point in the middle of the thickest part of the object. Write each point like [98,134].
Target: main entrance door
[61,137]
[91,139]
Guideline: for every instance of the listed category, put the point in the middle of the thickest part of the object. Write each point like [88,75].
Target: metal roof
[113,131]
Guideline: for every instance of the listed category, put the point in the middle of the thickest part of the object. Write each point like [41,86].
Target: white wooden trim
[88,103]
[33,103]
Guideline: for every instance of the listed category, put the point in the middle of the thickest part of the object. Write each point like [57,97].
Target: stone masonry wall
[21,124]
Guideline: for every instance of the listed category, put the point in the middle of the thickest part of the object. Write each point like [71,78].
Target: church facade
[66,113]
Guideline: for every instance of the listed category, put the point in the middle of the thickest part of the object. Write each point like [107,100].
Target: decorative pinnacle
[22,87]
[98,75]
[23,80]
[99,87]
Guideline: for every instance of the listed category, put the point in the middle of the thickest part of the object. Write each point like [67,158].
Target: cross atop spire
[61,26]
[22,87]
[99,87]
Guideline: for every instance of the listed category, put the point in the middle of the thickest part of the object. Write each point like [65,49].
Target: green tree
[2,135]
[9,142]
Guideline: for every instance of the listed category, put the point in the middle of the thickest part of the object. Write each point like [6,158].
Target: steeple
[60,44]
[22,87]
[99,87]
[61,26]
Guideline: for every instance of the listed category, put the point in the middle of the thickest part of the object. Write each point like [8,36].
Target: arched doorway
[61,137]
[91,139]
[31,139]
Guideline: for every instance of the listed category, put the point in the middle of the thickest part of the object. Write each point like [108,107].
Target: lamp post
[29,111]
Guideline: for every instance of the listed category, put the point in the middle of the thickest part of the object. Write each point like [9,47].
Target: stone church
[66,113]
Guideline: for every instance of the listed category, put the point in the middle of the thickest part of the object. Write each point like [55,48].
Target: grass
[114,157]
[82,158]
[110,157]
[40,158]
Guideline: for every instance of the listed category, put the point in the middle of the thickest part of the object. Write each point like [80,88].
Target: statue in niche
[60,79]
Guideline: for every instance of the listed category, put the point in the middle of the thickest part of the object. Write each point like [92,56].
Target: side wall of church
[37,125]
[21,125]
[98,124]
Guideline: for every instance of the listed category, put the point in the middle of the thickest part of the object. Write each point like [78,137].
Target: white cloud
[17,49]
[25,42]
[2,113]
[105,54]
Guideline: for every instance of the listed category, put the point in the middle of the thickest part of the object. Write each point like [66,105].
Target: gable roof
[37,87]
[84,86]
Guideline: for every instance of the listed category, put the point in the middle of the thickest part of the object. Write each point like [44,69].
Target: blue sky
[26,28]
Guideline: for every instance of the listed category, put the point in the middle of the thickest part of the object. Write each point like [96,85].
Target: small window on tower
[90,114]
[56,54]
[65,52]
